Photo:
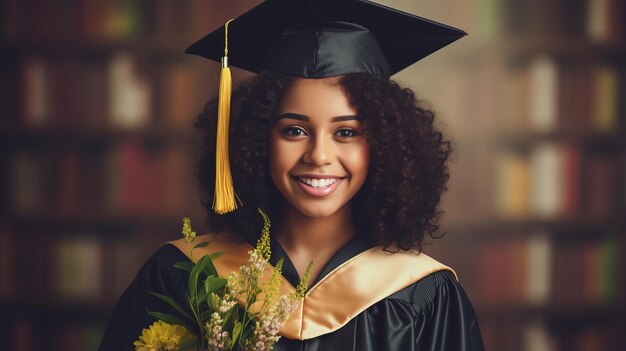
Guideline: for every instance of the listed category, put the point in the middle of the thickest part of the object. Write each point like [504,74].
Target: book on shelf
[543,182]
[35,93]
[470,194]
[129,93]
[7,263]
[571,182]
[489,15]
[531,270]
[499,265]
[110,92]
[144,181]
[513,99]
[78,337]
[500,332]
[536,337]
[23,338]
[601,182]
[127,178]
[605,21]
[609,280]
[605,111]
[95,100]
[546,175]
[78,268]
[69,183]
[513,185]
[180,107]
[596,20]
[537,260]
[26,181]
[585,273]
[123,257]
[57,270]
[574,103]
[545,95]
[29,335]
[109,20]
[543,110]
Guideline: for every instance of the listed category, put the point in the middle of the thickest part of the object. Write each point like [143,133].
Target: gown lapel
[356,278]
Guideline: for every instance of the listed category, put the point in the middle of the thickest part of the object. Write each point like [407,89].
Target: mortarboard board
[313,39]
[323,38]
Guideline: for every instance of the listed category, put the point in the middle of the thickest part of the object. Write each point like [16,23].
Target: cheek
[358,160]
[282,157]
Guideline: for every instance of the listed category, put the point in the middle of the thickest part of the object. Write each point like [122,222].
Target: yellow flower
[271,289]
[162,337]
[187,232]
[304,283]
[263,245]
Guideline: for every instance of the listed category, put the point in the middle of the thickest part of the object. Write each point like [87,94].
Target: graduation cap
[324,38]
[313,39]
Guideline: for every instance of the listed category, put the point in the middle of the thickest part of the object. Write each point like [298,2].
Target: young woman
[350,168]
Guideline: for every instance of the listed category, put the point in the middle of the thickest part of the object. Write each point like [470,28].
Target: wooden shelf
[66,47]
[585,138]
[552,313]
[57,311]
[100,221]
[75,135]
[556,227]
[519,48]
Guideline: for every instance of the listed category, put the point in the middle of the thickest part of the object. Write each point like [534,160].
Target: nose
[319,151]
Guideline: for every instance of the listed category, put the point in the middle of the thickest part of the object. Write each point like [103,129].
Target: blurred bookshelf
[96,141]
[534,98]
[96,155]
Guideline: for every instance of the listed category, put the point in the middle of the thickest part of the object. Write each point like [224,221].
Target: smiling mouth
[318,183]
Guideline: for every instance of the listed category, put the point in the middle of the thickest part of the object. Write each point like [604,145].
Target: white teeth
[318,183]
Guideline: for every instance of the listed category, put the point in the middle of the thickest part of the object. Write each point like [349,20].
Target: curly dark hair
[399,202]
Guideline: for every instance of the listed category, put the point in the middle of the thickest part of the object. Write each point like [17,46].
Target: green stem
[200,329]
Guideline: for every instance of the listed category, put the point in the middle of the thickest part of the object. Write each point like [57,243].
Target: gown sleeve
[130,315]
[445,319]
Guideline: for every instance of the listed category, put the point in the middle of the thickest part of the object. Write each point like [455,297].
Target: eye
[293,131]
[346,133]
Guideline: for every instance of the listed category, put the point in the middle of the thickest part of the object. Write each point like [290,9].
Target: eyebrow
[306,118]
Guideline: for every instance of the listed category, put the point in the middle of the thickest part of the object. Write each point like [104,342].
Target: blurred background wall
[96,144]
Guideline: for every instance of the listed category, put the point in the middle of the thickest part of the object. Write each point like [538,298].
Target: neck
[298,231]
[313,239]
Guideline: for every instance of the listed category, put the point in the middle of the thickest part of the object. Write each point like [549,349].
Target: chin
[318,211]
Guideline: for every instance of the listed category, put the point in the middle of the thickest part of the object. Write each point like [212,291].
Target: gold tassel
[224,199]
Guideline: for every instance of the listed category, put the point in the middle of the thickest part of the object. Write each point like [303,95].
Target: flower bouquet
[214,320]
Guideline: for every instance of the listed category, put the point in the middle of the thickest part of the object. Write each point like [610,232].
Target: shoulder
[162,261]
[434,288]
[217,242]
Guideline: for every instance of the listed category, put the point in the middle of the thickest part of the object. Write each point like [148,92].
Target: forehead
[316,97]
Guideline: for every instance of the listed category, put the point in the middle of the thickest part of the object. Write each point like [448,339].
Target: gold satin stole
[342,294]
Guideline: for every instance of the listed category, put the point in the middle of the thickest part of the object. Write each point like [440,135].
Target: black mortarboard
[324,38]
[312,39]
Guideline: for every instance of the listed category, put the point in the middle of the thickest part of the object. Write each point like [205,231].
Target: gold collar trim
[341,295]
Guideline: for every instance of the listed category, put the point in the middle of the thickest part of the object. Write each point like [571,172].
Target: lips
[318,186]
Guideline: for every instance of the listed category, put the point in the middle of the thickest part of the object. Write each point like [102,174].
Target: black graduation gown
[432,314]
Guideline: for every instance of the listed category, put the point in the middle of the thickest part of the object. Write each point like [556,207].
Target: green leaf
[172,303]
[202,296]
[189,344]
[236,332]
[203,244]
[216,255]
[195,272]
[185,266]
[213,284]
[168,318]
[210,268]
